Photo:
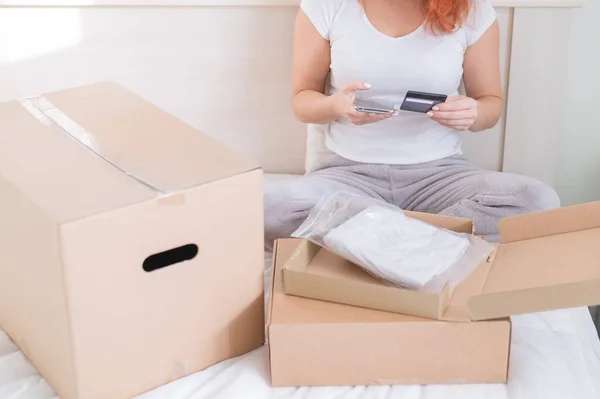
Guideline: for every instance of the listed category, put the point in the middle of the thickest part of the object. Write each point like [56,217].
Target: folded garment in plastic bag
[392,246]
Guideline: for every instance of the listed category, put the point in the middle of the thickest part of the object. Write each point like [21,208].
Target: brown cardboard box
[313,342]
[93,182]
[547,260]
[329,277]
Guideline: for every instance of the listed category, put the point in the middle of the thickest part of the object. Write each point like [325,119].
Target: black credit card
[416,101]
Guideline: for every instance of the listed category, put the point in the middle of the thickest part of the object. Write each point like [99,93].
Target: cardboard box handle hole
[171,257]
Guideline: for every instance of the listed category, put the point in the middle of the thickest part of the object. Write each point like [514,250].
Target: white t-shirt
[419,61]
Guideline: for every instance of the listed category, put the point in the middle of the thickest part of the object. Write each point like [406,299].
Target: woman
[379,50]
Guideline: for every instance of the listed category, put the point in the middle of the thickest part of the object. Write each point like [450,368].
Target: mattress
[553,355]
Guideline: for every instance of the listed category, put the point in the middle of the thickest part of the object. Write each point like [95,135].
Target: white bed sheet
[554,355]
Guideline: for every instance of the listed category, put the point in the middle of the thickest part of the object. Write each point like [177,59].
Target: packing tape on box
[44,111]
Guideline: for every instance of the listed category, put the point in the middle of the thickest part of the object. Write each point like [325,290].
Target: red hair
[445,15]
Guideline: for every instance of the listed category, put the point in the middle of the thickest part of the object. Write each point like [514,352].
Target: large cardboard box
[545,261]
[314,342]
[131,248]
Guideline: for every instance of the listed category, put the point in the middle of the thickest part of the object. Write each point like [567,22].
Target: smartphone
[418,101]
[373,107]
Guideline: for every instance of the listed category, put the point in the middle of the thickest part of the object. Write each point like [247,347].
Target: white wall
[224,70]
[578,174]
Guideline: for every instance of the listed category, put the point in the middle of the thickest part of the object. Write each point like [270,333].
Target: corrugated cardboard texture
[329,277]
[160,153]
[175,321]
[57,173]
[459,310]
[146,141]
[322,343]
[76,231]
[549,223]
[33,305]
[550,260]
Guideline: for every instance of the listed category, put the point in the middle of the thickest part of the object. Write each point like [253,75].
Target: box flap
[557,221]
[458,309]
[95,148]
[549,260]
[57,173]
[145,141]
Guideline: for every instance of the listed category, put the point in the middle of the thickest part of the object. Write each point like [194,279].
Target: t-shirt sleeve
[481,17]
[321,14]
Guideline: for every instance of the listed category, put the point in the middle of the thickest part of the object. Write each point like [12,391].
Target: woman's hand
[458,112]
[344,101]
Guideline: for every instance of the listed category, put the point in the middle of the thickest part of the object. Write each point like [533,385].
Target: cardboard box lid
[547,260]
[99,147]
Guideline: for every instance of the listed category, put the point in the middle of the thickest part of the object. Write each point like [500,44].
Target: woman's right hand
[344,102]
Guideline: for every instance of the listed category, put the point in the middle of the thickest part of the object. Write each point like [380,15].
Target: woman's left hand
[458,112]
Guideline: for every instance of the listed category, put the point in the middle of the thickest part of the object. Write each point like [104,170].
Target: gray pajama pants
[452,186]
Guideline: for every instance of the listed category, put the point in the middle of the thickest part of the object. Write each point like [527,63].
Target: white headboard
[224,67]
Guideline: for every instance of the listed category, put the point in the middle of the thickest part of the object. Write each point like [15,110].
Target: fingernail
[436,108]
[371,114]
[367,85]
[430,114]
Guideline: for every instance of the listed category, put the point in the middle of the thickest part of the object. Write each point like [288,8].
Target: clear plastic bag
[396,248]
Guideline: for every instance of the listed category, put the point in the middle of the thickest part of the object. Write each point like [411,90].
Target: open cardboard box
[546,260]
[321,343]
